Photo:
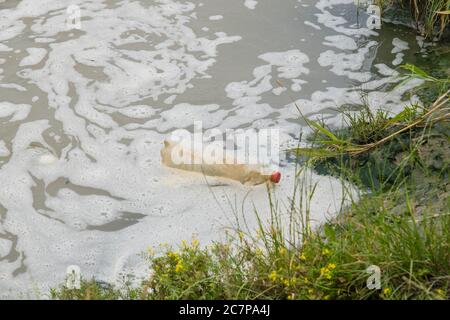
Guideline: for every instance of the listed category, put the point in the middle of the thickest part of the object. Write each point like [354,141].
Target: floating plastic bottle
[185,156]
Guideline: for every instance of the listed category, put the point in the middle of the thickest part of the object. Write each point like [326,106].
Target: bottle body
[184,156]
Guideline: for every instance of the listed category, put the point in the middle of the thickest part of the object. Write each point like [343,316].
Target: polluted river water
[85,109]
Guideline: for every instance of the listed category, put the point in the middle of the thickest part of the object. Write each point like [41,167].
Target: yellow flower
[325,272]
[326,252]
[179,267]
[303,257]
[283,251]
[286,283]
[440,292]
[331,266]
[273,276]
[172,254]
[291,296]
[387,291]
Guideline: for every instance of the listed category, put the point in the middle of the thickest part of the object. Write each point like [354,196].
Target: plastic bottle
[184,156]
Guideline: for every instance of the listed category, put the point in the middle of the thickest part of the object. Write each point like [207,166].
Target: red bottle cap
[275,177]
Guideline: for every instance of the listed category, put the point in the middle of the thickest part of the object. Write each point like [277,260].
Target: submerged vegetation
[399,224]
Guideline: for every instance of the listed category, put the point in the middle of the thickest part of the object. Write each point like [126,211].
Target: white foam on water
[4,151]
[398,59]
[341,42]
[384,70]
[313,25]
[5,246]
[339,23]
[250,4]
[4,47]
[348,64]
[83,183]
[285,65]
[16,112]
[216,17]
[13,86]
[137,111]
[399,46]
[35,55]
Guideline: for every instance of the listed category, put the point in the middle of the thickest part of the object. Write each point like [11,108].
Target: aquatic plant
[367,129]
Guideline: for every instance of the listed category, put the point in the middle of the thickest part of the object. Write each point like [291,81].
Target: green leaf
[323,130]
[415,70]
[401,116]
[316,152]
